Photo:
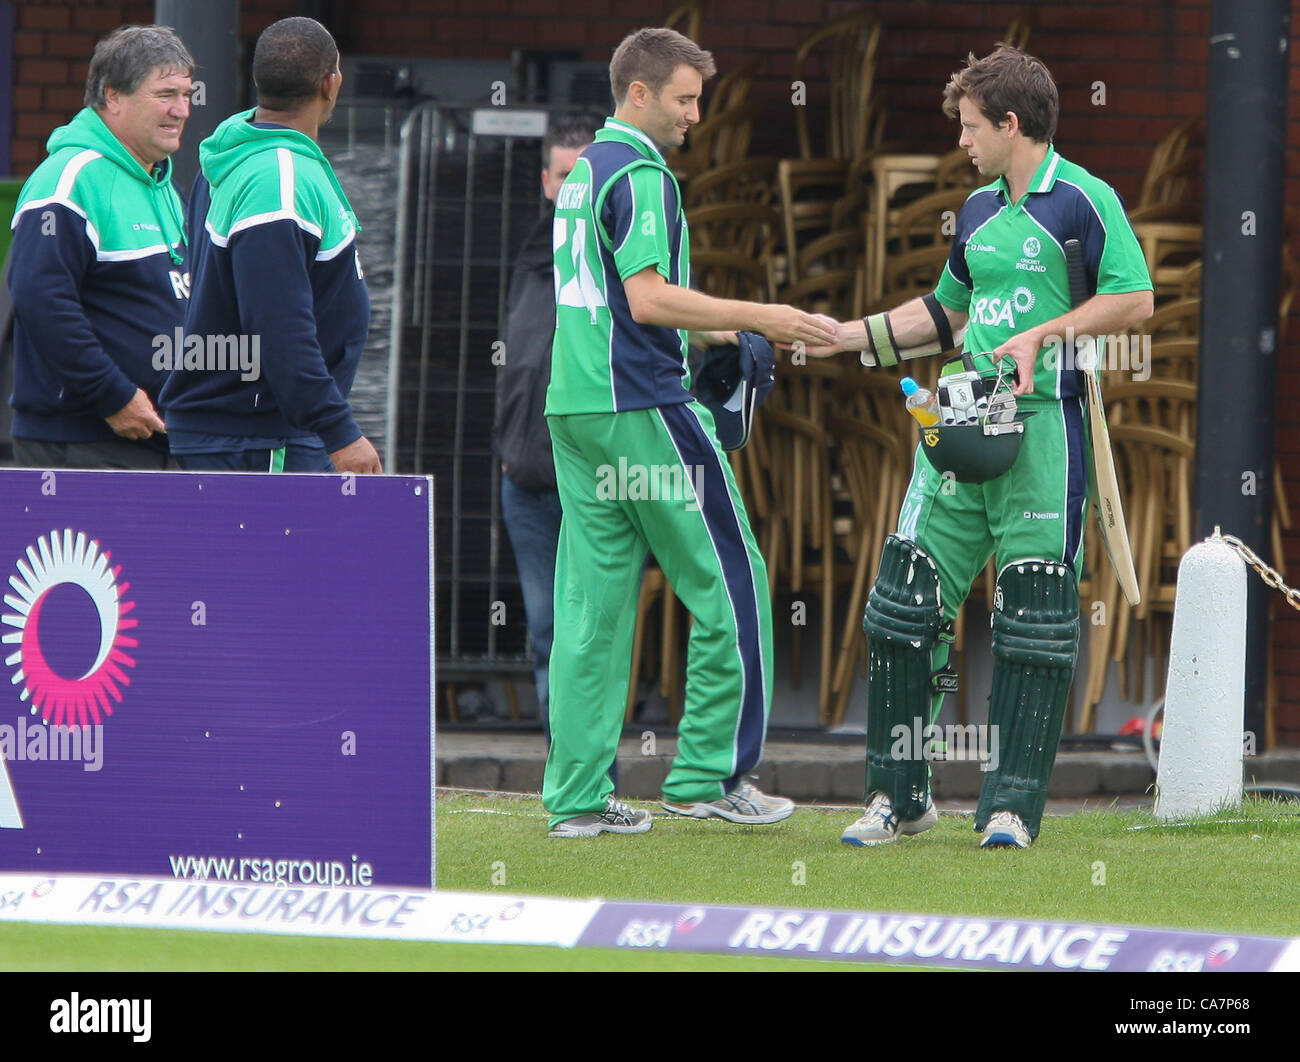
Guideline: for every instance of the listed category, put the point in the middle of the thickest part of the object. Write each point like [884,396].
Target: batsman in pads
[1005,293]
[619,400]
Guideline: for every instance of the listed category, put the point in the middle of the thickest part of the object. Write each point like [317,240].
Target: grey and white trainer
[746,803]
[616,818]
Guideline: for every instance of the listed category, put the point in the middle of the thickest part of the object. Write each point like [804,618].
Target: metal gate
[469,192]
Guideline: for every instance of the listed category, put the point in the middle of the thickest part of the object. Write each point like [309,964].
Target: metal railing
[468,193]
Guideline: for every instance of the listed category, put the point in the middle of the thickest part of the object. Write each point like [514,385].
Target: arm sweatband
[871,357]
[940,320]
[880,341]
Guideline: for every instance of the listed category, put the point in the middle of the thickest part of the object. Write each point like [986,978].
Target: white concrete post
[1200,749]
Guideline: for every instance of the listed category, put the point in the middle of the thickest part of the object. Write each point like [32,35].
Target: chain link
[1271,578]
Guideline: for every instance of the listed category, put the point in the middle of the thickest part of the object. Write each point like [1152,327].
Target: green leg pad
[1035,646]
[902,623]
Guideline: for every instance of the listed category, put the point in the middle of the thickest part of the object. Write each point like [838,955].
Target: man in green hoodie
[280,310]
[99,271]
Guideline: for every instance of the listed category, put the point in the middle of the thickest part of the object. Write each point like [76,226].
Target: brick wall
[52,46]
[1149,54]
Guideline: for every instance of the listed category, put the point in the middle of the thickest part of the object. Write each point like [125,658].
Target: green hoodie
[275,261]
[128,210]
[239,159]
[98,271]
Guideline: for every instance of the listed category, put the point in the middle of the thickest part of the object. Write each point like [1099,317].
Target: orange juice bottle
[921,403]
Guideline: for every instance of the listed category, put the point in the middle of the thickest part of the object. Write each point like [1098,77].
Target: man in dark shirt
[530,501]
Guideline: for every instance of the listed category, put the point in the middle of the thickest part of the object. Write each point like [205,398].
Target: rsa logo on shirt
[180,283]
[1002,311]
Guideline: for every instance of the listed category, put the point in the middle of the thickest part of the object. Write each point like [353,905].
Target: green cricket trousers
[653,480]
[1037,509]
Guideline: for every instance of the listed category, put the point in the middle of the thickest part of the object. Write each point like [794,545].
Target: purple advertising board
[217,676]
[957,942]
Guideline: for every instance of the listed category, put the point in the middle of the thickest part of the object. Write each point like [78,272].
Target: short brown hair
[651,56]
[1008,80]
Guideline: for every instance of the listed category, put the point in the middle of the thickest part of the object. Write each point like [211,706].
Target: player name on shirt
[571,197]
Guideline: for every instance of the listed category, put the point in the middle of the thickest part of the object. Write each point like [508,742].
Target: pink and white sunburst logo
[73,558]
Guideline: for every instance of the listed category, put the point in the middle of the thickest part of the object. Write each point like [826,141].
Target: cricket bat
[1110,510]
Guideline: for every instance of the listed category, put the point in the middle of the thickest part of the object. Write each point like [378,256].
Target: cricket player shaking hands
[619,398]
[1006,284]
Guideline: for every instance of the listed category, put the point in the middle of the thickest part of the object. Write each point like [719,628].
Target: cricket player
[1005,283]
[618,402]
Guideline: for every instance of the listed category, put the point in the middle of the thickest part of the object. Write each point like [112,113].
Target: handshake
[877,338]
[788,327]
[918,329]
[836,337]
[840,338]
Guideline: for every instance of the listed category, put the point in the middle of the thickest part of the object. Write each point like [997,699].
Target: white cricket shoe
[879,824]
[1006,830]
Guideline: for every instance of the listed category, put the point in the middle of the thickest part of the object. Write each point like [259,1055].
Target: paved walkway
[829,773]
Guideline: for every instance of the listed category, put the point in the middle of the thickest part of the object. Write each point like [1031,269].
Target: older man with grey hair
[98,263]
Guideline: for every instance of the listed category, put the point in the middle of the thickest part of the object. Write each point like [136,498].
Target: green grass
[96,948]
[1216,875]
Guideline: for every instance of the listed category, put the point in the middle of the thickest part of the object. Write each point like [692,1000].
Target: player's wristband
[925,350]
[868,355]
[880,340]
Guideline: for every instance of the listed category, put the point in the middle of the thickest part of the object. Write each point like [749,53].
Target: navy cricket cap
[732,384]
